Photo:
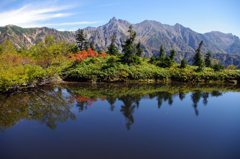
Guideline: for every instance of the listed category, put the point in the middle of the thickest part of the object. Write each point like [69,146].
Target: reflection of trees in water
[216,93]
[111,101]
[198,94]
[181,95]
[83,102]
[50,105]
[195,98]
[12,110]
[162,96]
[47,106]
[128,108]
[205,97]
[82,106]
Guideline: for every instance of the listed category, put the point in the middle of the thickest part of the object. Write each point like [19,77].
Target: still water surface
[121,121]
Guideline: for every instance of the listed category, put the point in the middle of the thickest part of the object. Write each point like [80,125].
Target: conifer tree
[197,60]
[139,49]
[161,53]
[128,47]
[86,45]
[183,63]
[208,61]
[172,54]
[73,48]
[92,46]
[81,39]
[112,49]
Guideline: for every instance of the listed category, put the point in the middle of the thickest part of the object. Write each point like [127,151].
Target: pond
[101,121]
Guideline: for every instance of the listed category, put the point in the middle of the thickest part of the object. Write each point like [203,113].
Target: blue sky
[201,16]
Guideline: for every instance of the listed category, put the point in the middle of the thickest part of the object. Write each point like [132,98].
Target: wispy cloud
[34,15]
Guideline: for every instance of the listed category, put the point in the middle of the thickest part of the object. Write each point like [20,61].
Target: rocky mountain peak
[113,20]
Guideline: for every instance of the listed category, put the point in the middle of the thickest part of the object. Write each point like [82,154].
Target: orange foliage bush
[82,55]
[15,59]
[103,54]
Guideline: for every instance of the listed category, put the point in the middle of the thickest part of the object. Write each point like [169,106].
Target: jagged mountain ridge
[153,34]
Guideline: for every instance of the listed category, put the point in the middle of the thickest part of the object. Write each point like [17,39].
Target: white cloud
[29,15]
[33,15]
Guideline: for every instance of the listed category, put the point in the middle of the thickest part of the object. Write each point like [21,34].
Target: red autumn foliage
[88,101]
[93,100]
[90,104]
[80,98]
[102,99]
[82,55]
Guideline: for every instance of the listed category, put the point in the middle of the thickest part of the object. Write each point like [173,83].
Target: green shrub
[165,62]
[218,67]
[153,60]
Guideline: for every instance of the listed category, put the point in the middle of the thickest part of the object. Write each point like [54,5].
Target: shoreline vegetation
[56,61]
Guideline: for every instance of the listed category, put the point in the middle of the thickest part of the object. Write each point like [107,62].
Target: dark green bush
[166,62]
[218,67]
[153,60]
[111,61]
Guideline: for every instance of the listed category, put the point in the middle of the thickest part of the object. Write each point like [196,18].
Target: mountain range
[152,34]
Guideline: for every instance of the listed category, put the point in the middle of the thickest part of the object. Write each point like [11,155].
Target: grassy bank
[99,69]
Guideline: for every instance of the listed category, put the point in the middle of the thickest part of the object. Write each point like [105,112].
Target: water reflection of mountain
[51,104]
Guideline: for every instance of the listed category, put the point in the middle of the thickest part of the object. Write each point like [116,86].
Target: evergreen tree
[73,48]
[99,51]
[86,45]
[165,62]
[183,63]
[81,39]
[153,60]
[112,49]
[139,49]
[92,46]
[208,61]
[161,53]
[197,60]
[172,54]
[128,47]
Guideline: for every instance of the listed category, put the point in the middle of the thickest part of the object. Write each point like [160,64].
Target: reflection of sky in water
[157,125]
